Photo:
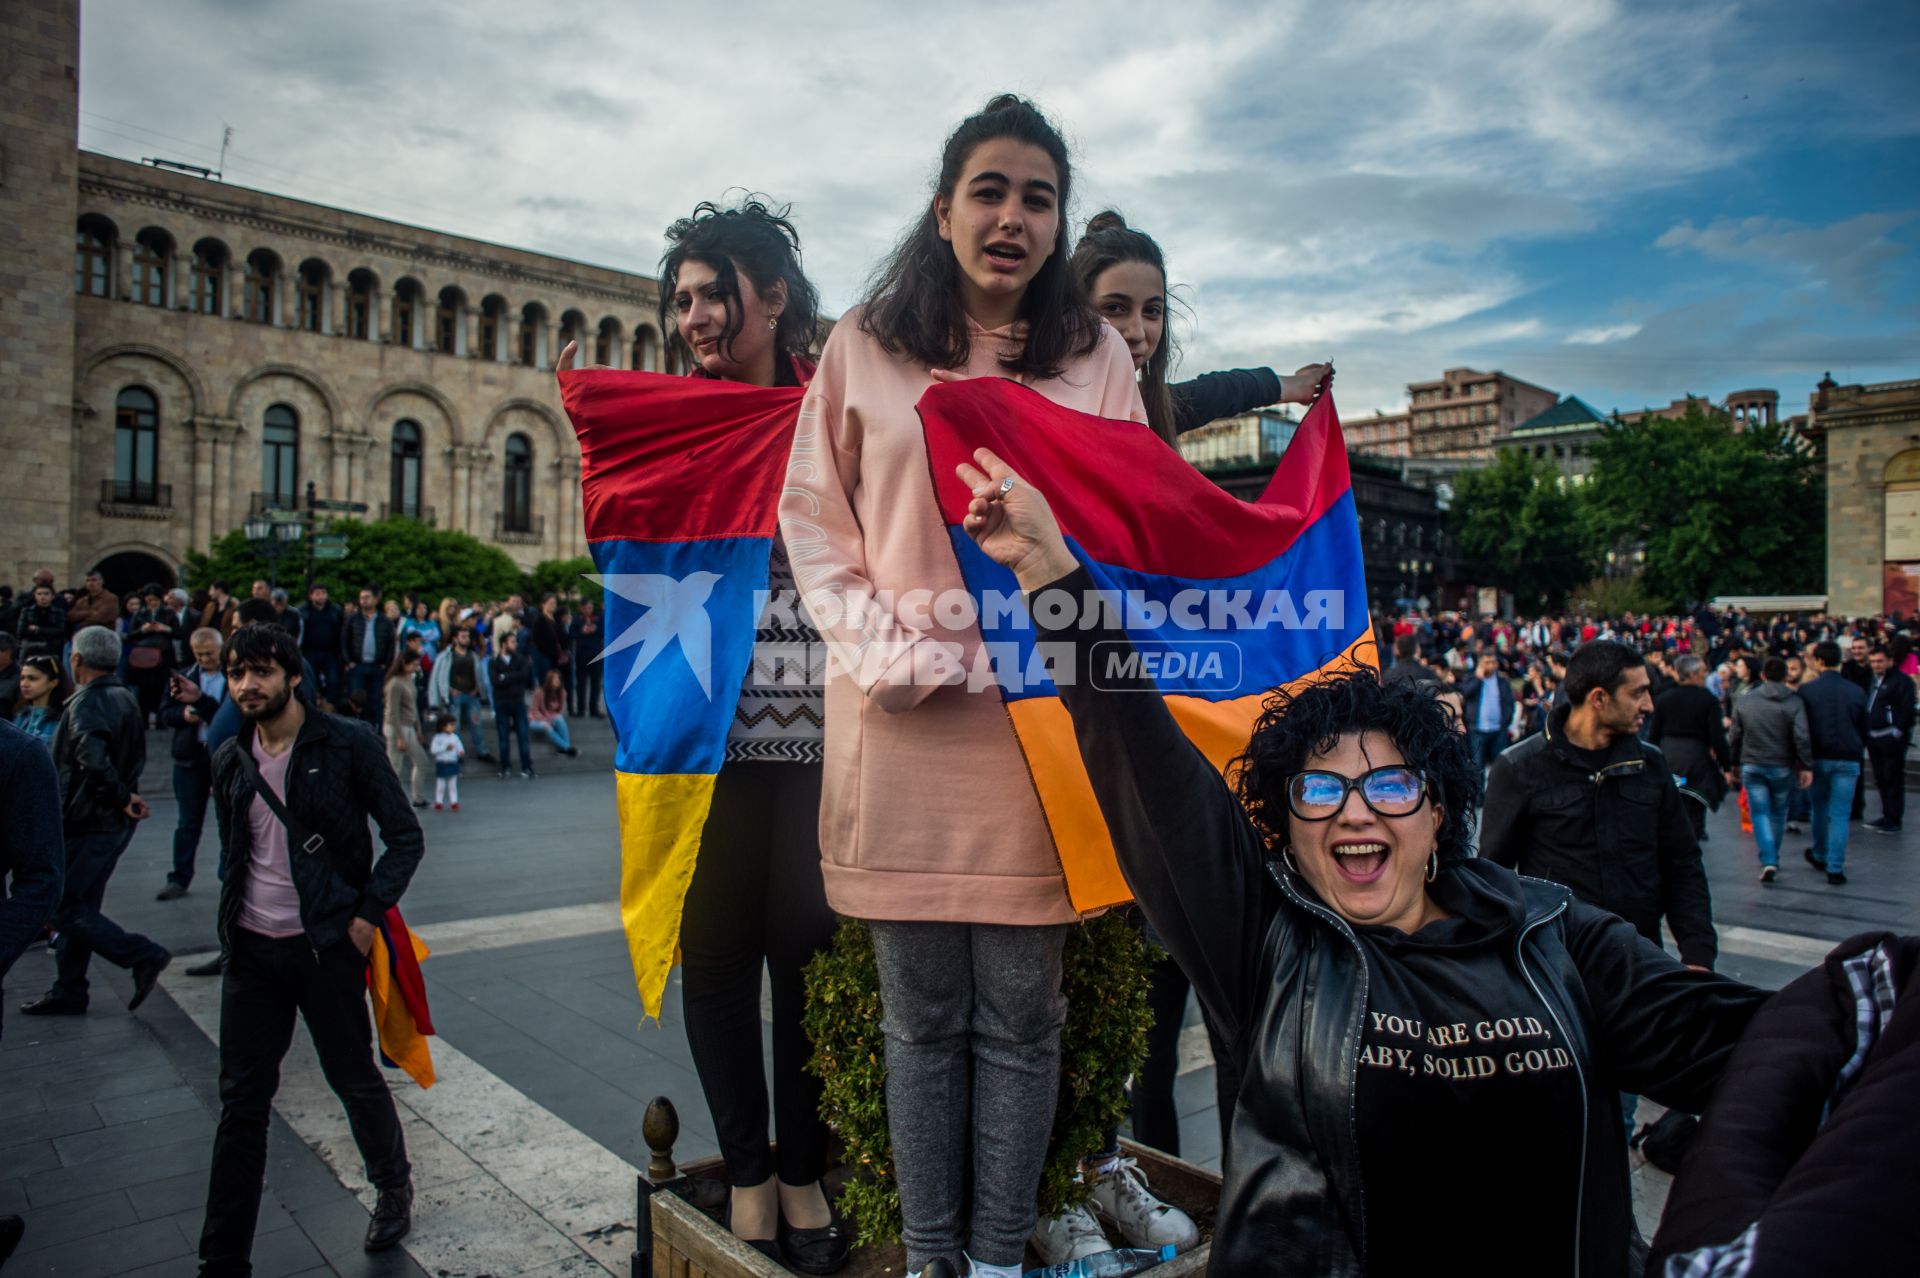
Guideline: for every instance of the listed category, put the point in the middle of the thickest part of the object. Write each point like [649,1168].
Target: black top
[1459,1055]
[1228,393]
[1689,711]
[1836,716]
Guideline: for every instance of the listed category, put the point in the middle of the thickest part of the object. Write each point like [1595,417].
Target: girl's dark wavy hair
[913,304]
[1110,242]
[753,236]
[1295,725]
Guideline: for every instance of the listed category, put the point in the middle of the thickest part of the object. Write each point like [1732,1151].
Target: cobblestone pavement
[525,1152]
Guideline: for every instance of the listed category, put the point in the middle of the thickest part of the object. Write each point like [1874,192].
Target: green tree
[392,555]
[564,577]
[1519,521]
[1716,510]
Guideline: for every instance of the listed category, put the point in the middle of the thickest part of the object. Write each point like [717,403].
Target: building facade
[1871,438]
[1463,413]
[1246,440]
[1381,435]
[184,352]
[1564,435]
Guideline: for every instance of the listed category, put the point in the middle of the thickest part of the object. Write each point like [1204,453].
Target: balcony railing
[136,498]
[532,534]
[417,512]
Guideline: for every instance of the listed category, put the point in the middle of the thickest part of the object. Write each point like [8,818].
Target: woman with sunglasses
[1424,1035]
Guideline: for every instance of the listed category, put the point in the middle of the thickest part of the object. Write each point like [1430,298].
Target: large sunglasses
[1392,791]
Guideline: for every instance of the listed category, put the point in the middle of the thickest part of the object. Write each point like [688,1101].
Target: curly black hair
[1296,724]
[754,237]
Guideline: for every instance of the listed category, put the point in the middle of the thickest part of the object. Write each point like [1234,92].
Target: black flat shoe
[145,977]
[816,1251]
[173,891]
[392,1218]
[767,1247]
[48,1005]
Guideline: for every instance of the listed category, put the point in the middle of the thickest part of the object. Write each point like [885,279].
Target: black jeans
[84,930]
[192,783]
[1156,1116]
[369,681]
[510,724]
[266,982]
[326,673]
[1889,759]
[756,901]
[586,686]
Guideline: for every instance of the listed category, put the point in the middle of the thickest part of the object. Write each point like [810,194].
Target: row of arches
[138,451]
[207,278]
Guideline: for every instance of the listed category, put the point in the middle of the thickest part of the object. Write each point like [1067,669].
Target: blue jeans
[367,679]
[555,730]
[1767,791]
[1485,746]
[1799,806]
[1834,781]
[84,930]
[466,713]
[513,719]
[192,782]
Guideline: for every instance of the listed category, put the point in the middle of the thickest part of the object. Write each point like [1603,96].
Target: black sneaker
[529,774]
[504,774]
[172,891]
[1878,828]
[1836,879]
[1815,861]
[1768,873]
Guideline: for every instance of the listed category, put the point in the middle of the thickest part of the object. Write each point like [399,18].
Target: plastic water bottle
[1122,1262]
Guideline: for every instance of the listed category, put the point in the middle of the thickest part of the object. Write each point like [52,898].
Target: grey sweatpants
[950,991]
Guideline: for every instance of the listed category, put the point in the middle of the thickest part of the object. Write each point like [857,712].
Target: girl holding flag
[739,307]
[930,827]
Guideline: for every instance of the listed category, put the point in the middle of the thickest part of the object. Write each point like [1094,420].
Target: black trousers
[83,930]
[192,784]
[584,687]
[757,900]
[266,982]
[1156,1116]
[1889,759]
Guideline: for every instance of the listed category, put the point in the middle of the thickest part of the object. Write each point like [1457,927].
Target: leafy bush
[564,577]
[392,555]
[1106,969]
[1617,596]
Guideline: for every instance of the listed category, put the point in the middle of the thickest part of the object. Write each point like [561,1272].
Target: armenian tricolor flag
[1226,600]
[681,483]
[399,996]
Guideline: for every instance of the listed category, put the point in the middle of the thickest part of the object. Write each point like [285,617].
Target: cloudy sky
[1628,202]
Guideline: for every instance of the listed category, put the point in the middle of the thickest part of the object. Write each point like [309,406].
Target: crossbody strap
[307,841]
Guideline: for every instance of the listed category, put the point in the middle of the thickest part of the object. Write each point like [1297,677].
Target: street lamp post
[273,540]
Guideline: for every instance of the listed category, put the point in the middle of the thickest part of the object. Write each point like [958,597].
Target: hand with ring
[1012,522]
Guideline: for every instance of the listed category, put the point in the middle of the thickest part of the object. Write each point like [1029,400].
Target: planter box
[689,1241]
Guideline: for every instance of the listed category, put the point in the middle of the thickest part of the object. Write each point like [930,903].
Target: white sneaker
[1122,1196]
[1072,1235]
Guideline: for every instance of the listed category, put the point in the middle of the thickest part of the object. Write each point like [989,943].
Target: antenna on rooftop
[226,136]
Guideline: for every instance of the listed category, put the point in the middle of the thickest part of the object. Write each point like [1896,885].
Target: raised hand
[1012,523]
[1298,386]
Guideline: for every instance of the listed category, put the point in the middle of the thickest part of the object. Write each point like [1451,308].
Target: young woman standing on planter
[741,310]
[930,829]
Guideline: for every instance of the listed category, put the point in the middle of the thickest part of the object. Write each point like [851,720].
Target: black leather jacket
[1284,979]
[98,753]
[1617,835]
[338,777]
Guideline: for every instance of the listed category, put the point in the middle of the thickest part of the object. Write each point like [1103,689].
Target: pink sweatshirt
[928,811]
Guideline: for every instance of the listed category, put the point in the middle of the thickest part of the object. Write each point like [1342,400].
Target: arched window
[360,286]
[93,257]
[136,447]
[606,342]
[280,457]
[406,313]
[516,497]
[646,350]
[573,328]
[313,296]
[448,321]
[493,317]
[152,253]
[404,486]
[533,324]
[209,271]
[263,272]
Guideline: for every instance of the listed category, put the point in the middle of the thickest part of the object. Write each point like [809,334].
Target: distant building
[1465,412]
[1871,437]
[1747,407]
[1564,435]
[1381,435]
[1251,439]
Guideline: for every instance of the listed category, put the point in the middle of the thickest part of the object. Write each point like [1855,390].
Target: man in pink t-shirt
[299,906]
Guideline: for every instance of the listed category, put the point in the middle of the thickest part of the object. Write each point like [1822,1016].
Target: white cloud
[1849,257]
[1601,334]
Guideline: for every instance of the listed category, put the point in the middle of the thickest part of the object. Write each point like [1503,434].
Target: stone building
[1245,440]
[1871,438]
[179,352]
[1464,412]
[1564,435]
[1381,435]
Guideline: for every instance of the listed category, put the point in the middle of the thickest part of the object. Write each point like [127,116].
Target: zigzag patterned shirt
[782,712]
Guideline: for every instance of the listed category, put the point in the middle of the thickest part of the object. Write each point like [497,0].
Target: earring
[773,321]
[1286,855]
[1433,864]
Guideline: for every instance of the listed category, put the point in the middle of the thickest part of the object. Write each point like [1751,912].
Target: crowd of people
[1423,914]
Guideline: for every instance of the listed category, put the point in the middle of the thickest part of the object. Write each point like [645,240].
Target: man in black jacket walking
[194,696]
[1890,713]
[1687,726]
[321,642]
[1588,804]
[299,907]
[1837,722]
[98,752]
[366,650]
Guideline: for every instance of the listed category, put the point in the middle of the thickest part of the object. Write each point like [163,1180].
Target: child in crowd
[447,751]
